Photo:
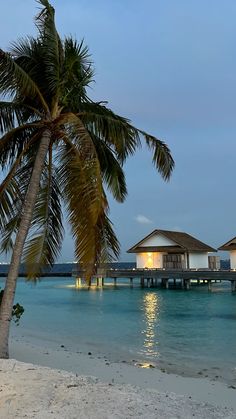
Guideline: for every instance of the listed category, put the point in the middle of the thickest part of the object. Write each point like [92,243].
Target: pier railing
[161,273]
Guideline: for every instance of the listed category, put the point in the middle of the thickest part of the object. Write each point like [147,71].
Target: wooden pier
[153,278]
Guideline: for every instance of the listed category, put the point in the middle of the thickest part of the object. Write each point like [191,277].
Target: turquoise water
[183,331]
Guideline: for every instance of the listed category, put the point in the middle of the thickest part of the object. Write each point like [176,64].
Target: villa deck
[160,277]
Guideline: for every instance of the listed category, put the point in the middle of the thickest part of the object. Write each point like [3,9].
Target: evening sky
[169,66]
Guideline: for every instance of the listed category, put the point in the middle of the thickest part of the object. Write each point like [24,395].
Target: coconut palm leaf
[77,74]
[9,203]
[54,55]
[113,129]
[12,114]
[46,234]
[18,178]
[12,193]
[13,78]
[108,247]
[125,138]
[14,142]
[79,176]
[162,158]
[112,172]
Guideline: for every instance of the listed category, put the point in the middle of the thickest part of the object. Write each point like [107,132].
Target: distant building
[171,250]
[230,247]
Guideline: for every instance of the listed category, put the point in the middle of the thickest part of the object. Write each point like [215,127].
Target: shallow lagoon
[187,332]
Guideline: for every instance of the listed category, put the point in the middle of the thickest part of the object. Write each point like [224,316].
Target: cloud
[142,219]
[177,228]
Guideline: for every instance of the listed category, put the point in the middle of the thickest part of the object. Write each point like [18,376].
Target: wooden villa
[165,249]
[168,257]
[230,247]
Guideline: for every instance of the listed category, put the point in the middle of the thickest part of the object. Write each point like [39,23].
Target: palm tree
[58,147]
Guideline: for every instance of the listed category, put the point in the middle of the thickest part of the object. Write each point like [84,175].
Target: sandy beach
[87,386]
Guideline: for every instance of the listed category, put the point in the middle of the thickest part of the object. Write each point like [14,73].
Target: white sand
[120,391]
[29,391]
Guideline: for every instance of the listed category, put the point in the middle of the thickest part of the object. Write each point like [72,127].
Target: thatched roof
[230,245]
[183,242]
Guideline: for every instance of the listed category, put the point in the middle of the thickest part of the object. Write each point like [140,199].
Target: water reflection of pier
[152,278]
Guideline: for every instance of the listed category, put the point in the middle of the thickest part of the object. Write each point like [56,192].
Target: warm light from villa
[149,260]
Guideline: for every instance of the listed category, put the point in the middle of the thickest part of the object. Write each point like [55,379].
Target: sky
[170,67]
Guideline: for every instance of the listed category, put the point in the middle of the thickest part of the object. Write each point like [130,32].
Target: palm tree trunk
[26,217]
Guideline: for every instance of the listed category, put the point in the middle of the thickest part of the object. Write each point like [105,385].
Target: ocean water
[187,332]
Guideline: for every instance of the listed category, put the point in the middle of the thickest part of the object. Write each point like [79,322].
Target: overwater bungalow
[165,249]
[230,247]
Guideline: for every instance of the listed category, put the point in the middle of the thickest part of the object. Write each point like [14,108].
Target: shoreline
[213,372]
[88,363]
[30,391]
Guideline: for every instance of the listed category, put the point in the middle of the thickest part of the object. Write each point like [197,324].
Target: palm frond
[108,247]
[113,175]
[13,170]
[77,74]
[125,138]
[7,116]
[30,55]
[81,183]
[12,114]
[53,49]
[115,130]
[13,142]
[14,79]
[98,245]
[44,243]
[10,201]
[78,137]
[9,232]
[79,166]
[12,194]
[162,158]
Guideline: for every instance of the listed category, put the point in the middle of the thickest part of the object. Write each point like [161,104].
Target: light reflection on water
[189,329]
[151,307]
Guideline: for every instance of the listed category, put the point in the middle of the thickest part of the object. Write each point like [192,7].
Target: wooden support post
[174,282]
[131,282]
[151,282]
[198,281]
[115,279]
[167,283]
[100,282]
[142,282]
[187,284]
[233,286]
[182,283]
[209,284]
[78,283]
[148,282]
